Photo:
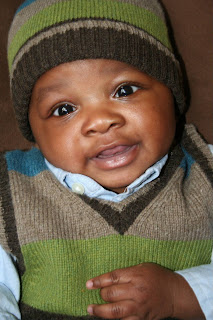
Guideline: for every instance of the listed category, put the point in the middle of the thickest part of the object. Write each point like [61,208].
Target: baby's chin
[120,183]
[117,190]
[116,187]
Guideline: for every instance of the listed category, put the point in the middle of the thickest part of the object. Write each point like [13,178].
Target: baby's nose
[101,121]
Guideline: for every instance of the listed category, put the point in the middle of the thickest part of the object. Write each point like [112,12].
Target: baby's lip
[115,156]
[111,152]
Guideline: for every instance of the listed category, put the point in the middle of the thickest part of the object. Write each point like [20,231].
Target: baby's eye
[64,109]
[126,90]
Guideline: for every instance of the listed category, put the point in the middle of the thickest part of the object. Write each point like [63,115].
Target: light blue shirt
[9,287]
[200,278]
[85,185]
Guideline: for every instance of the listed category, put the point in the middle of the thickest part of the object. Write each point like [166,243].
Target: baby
[110,215]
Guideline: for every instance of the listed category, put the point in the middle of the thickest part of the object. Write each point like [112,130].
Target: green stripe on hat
[87,25]
[85,9]
[35,7]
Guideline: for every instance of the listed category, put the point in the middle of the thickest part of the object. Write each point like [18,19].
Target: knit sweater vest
[62,239]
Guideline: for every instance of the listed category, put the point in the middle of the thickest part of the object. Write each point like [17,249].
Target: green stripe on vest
[57,270]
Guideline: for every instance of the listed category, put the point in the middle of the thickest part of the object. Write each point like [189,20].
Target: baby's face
[102,118]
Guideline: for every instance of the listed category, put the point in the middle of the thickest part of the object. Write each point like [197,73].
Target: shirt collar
[82,184]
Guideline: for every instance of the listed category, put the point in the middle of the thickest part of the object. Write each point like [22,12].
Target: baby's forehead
[81,71]
[103,67]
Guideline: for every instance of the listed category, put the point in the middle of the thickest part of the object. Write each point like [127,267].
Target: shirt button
[78,188]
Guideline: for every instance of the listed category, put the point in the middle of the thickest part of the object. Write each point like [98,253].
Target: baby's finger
[116,310]
[119,292]
[114,277]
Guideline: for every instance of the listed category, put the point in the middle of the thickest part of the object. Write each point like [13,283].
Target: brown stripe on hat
[89,24]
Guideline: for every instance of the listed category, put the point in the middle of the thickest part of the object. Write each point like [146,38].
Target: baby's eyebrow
[43,92]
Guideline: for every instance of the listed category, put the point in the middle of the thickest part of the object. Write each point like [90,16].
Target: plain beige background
[191,21]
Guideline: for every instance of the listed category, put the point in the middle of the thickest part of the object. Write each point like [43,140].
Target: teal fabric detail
[29,163]
[186,162]
[25,4]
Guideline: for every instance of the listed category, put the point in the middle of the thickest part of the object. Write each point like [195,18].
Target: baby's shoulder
[197,153]
[29,162]
[193,142]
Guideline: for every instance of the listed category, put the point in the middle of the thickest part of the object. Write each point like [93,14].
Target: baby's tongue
[113,151]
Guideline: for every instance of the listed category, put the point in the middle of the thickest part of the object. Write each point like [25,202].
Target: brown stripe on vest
[7,214]
[29,313]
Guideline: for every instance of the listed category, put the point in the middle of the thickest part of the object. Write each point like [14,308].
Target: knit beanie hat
[46,33]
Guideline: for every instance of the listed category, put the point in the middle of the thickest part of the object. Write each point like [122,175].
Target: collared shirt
[82,184]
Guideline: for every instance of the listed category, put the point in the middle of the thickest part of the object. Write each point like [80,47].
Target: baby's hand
[146,291]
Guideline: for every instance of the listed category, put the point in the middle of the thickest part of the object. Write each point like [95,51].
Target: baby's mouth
[113,152]
[116,157]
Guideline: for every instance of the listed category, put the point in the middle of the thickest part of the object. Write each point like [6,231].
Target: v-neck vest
[62,239]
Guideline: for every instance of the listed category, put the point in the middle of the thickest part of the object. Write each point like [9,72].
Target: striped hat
[46,33]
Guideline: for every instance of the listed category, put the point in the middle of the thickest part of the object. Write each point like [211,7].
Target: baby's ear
[180,124]
[178,117]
